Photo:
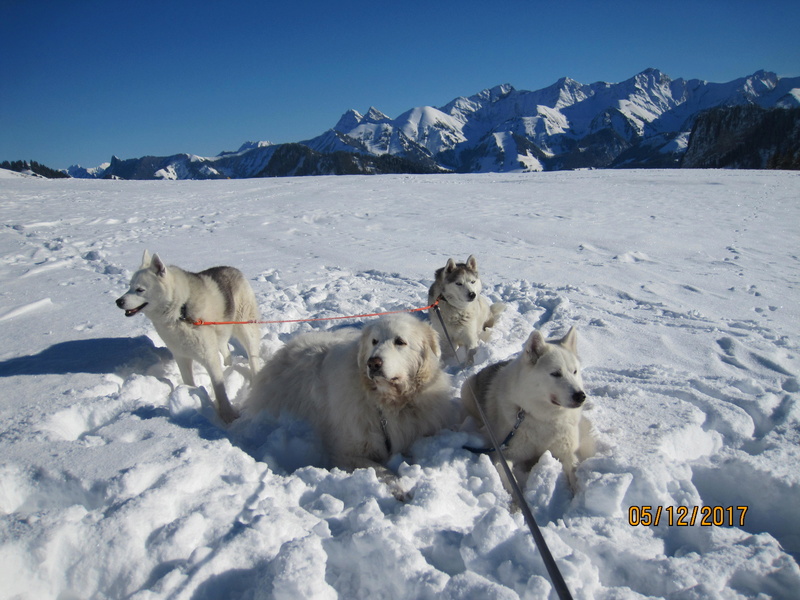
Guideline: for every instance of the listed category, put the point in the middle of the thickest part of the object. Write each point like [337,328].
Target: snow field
[118,481]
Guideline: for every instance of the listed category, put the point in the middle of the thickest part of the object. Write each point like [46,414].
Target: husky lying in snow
[467,315]
[173,299]
[368,394]
[544,380]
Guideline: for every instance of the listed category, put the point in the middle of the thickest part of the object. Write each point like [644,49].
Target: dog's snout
[472,296]
[579,397]
[121,302]
[375,363]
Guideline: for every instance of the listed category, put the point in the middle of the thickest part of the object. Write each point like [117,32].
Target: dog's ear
[145,259]
[432,341]
[472,263]
[450,266]
[158,266]
[570,341]
[536,346]
[431,354]
[364,346]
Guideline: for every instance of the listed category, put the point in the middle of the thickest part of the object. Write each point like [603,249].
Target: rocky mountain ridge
[646,121]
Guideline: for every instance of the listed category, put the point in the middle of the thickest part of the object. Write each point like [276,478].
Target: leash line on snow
[547,557]
[200,322]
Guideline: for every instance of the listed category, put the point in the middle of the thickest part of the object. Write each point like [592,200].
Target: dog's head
[553,371]
[459,283]
[398,355]
[147,287]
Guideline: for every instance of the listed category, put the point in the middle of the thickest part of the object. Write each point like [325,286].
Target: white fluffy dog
[368,394]
[544,381]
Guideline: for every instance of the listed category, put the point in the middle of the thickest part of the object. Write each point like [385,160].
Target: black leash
[553,571]
[504,445]
[385,431]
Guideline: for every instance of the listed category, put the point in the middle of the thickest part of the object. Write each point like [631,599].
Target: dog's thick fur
[173,299]
[467,315]
[545,381]
[345,382]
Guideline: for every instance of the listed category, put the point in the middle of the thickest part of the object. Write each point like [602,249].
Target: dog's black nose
[375,363]
[579,397]
[472,296]
[120,302]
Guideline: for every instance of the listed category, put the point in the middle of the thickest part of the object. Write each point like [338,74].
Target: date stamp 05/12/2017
[685,516]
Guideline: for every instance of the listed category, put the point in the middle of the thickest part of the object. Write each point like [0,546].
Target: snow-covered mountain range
[644,121]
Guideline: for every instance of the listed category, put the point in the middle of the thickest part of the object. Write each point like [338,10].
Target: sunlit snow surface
[118,482]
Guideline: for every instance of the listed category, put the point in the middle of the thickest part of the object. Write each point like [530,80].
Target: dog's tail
[495,311]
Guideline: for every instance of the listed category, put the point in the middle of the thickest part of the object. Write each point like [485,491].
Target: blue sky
[85,79]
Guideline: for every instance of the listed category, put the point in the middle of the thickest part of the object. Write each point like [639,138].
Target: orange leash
[200,322]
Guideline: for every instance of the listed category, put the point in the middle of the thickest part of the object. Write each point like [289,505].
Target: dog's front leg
[569,461]
[185,367]
[226,411]
[471,356]
[225,351]
[471,342]
[515,471]
[224,407]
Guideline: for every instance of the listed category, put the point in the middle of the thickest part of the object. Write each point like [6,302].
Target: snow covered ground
[118,482]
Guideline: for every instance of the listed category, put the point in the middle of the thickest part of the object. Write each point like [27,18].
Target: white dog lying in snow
[544,381]
[368,394]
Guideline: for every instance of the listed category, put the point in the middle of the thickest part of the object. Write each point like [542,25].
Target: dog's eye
[374,342]
[459,284]
[139,290]
[556,374]
[575,372]
[400,342]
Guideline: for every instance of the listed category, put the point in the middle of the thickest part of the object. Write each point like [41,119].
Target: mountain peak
[250,145]
[762,74]
[375,116]
[499,92]
[247,146]
[490,95]
[767,78]
[563,93]
[348,121]
[652,75]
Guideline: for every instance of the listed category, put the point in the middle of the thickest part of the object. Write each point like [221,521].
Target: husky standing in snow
[537,399]
[173,299]
[467,315]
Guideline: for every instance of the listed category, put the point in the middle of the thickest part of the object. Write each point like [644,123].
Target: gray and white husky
[544,381]
[467,315]
[173,299]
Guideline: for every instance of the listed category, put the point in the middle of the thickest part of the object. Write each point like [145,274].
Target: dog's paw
[228,414]
[399,493]
[572,478]
[392,482]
